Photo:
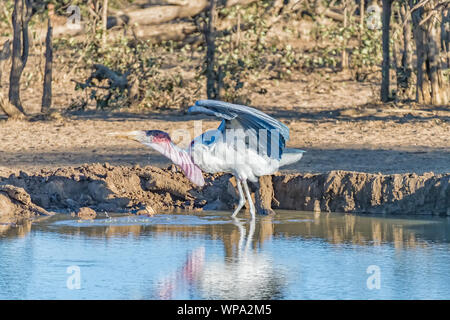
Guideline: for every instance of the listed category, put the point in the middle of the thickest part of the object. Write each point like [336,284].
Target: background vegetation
[154,54]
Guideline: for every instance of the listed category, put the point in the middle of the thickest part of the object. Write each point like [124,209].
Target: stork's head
[148,137]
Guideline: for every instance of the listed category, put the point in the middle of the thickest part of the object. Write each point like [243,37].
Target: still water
[295,255]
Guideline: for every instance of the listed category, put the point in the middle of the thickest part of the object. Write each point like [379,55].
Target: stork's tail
[291,156]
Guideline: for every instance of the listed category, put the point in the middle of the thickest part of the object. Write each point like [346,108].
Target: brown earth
[107,188]
[86,213]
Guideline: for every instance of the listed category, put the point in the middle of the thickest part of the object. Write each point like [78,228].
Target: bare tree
[344,55]
[47,91]
[445,34]
[432,84]
[105,20]
[20,18]
[385,67]
[212,83]
[404,71]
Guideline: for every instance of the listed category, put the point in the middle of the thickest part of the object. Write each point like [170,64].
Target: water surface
[295,255]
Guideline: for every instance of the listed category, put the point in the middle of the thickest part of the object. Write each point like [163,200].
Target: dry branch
[10,110]
[100,73]
[167,31]
[153,22]
[330,13]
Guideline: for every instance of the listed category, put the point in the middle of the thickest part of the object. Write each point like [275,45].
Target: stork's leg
[251,232]
[242,231]
[249,199]
[241,198]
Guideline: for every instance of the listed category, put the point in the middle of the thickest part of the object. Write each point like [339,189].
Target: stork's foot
[239,183]
[238,208]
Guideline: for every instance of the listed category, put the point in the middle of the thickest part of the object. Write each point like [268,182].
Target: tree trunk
[20,18]
[105,20]
[344,56]
[361,13]
[445,35]
[432,85]
[47,92]
[385,67]
[404,71]
[211,74]
[5,54]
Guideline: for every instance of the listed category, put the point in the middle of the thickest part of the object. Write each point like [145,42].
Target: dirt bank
[343,191]
[103,187]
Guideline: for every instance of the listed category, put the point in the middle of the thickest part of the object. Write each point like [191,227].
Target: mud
[146,190]
[86,213]
[344,191]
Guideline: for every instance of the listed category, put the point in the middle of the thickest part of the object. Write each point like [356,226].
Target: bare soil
[334,120]
[105,188]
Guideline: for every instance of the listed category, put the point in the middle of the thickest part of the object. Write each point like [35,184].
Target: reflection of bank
[14,229]
[245,274]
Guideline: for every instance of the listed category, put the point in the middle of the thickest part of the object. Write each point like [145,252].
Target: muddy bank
[107,188]
[103,187]
[344,191]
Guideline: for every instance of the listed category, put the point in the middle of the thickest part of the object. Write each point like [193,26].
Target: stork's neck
[170,150]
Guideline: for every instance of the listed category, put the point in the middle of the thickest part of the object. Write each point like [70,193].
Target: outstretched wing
[267,131]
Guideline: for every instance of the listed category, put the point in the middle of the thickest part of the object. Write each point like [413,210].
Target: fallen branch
[152,22]
[10,110]
[100,73]
[167,31]
[329,13]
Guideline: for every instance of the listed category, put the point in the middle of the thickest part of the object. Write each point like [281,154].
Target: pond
[209,255]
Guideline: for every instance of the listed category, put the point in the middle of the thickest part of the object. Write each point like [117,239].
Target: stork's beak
[130,135]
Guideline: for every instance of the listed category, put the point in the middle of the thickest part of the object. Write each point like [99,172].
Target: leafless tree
[47,91]
[20,19]
[212,83]
[385,67]
[432,85]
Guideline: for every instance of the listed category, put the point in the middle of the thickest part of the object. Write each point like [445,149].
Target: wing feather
[253,121]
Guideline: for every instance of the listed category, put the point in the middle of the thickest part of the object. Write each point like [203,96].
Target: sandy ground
[330,116]
[340,130]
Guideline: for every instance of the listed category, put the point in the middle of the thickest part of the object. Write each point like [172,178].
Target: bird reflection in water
[245,274]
